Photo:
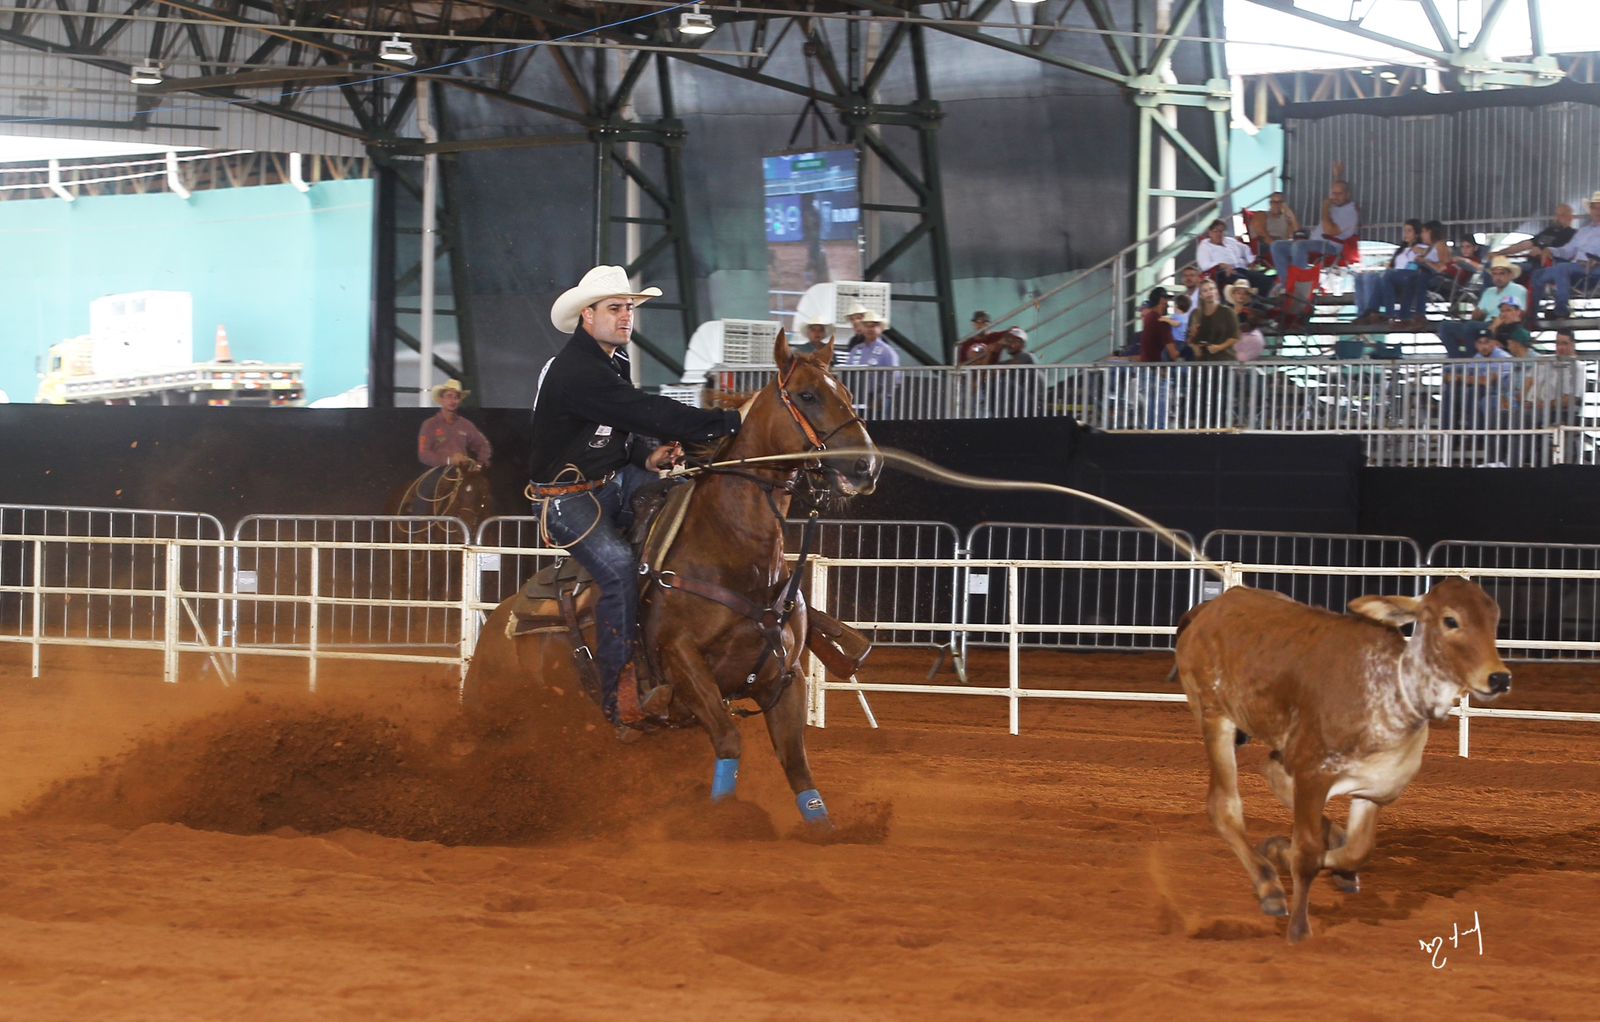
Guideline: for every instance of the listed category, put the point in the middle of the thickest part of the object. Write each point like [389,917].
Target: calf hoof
[1276,905]
[1276,851]
[1347,883]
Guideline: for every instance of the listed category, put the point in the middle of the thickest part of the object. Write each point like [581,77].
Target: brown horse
[459,491]
[724,578]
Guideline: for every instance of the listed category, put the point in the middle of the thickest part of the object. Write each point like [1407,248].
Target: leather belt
[545,491]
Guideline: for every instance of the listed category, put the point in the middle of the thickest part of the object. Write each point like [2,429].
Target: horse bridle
[808,430]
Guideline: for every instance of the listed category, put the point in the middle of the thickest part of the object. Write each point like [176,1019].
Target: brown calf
[1343,702]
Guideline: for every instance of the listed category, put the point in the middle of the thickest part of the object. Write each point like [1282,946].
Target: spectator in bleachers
[1213,327]
[1533,249]
[1507,329]
[1223,258]
[1473,394]
[1190,277]
[1561,394]
[1465,275]
[1156,343]
[1575,263]
[1274,224]
[1179,319]
[1251,344]
[1458,336]
[976,342]
[1340,221]
[1433,260]
[875,390]
[1377,293]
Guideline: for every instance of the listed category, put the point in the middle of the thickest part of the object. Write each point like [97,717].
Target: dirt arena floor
[200,852]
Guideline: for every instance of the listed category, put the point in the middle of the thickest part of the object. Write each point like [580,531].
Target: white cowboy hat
[600,282]
[1019,333]
[1594,199]
[440,388]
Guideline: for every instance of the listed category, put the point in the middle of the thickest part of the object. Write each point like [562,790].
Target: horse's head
[474,498]
[811,411]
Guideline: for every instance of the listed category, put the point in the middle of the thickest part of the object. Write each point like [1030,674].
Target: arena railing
[1024,605]
[1409,412]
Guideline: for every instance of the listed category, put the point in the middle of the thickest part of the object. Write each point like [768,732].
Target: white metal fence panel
[1540,618]
[1126,595]
[130,576]
[1365,557]
[1410,412]
[347,580]
[902,602]
[502,573]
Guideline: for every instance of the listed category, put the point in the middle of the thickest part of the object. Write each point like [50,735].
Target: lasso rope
[923,467]
[454,475]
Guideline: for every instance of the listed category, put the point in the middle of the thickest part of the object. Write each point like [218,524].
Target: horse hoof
[1299,931]
[813,810]
[1276,905]
[1347,883]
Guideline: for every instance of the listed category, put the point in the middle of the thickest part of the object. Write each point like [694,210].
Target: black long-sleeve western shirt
[586,411]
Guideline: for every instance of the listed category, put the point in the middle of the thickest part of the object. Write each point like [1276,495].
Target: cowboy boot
[634,707]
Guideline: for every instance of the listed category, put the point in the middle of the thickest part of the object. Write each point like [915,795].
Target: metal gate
[331,581]
[1113,602]
[901,604]
[1319,550]
[98,576]
[1540,617]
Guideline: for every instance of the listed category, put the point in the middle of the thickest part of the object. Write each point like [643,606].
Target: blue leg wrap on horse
[811,806]
[724,780]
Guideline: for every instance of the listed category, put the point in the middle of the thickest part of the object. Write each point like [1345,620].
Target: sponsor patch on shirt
[602,436]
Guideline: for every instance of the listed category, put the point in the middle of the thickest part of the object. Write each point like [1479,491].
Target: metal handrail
[1183,234]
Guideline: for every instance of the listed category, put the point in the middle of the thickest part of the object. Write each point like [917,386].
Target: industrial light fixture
[1026,3]
[397,50]
[694,21]
[146,74]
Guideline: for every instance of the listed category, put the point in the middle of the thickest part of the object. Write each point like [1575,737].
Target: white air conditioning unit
[849,293]
[748,341]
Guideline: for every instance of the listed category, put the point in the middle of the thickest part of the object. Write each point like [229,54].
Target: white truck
[140,350]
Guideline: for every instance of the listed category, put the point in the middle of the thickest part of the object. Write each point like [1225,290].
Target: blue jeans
[1458,336]
[1298,253]
[605,552]
[1371,293]
[1563,276]
[1408,291]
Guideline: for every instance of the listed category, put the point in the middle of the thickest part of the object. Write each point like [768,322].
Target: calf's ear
[1393,611]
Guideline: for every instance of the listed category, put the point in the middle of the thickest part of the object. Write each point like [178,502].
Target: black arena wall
[230,462]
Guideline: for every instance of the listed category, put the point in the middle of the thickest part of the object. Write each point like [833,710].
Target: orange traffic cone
[224,353]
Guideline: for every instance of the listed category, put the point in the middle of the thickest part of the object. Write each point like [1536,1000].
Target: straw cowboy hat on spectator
[1501,263]
[440,388]
[866,315]
[600,282]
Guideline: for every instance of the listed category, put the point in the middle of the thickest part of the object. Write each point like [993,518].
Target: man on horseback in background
[587,462]
[444,441]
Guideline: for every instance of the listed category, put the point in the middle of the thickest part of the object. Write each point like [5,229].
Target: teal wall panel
[288,273]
